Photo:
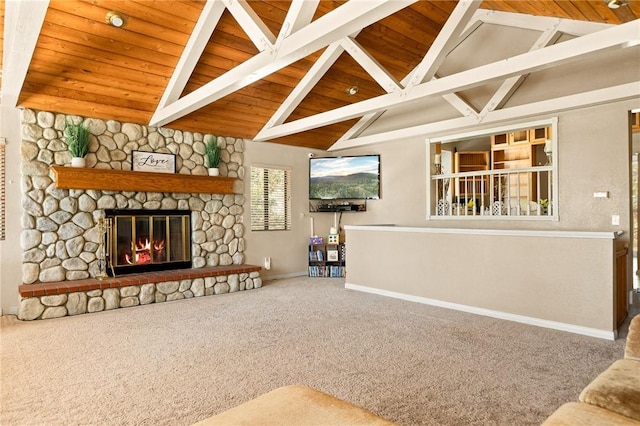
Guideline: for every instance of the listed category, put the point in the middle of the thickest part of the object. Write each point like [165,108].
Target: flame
[158,245]
[143,251]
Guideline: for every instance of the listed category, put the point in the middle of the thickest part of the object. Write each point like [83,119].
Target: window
[270,198]
[508,173]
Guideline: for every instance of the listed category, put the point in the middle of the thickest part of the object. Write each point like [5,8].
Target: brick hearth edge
[65,287]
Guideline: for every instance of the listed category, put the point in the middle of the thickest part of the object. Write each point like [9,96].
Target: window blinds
[270,199]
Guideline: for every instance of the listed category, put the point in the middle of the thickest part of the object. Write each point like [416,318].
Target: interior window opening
[508,173]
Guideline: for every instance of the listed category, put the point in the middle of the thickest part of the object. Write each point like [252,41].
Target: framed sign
[143,161]
[332,255]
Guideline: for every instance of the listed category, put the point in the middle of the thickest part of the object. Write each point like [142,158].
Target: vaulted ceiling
[302,72]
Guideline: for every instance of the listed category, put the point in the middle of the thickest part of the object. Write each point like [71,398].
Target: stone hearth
[59,299]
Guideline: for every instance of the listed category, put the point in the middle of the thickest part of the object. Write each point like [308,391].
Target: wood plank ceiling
[83,66]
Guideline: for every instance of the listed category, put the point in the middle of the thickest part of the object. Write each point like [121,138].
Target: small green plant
[77,138]
[213,153]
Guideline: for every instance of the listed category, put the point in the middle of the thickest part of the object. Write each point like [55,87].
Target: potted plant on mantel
[213,153]
[78,141]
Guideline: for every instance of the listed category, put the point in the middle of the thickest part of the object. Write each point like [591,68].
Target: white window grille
[518,192]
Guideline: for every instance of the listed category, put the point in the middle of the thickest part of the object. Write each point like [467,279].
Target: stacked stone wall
[60,239]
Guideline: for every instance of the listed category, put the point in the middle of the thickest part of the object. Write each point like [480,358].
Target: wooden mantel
[125,180]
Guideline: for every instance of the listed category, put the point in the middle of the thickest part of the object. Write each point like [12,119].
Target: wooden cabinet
[635,122]
[471,161]
[504,140]
[516,157]
[499,140]
[539,135]
[519,137]
[622,250]
[327,260]
[518,150]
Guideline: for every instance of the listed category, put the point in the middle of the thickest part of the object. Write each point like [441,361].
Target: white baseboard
[13,310]
[291,275]
[586,331]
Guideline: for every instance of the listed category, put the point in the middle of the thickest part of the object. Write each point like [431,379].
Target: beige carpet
[179,362]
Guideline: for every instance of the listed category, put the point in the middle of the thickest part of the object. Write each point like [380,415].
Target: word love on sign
[153,162]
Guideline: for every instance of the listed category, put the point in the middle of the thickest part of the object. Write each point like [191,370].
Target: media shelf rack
[327,260]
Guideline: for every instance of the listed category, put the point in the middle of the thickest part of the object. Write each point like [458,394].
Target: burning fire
[143,251]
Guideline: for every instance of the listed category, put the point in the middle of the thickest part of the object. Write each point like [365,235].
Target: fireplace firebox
[147,240]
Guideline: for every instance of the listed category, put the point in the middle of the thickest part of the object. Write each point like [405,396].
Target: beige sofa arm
[295,405]
[632,347]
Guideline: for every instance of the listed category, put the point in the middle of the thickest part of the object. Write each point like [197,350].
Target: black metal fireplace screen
[148,240]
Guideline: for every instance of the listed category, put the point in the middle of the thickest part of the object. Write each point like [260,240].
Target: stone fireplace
[146,240]
[61,239]
[201,233]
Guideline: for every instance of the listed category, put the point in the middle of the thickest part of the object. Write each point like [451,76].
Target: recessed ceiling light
[115,18]
[352,90]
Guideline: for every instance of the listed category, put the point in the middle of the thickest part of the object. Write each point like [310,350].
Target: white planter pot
[78,162]
[214,172]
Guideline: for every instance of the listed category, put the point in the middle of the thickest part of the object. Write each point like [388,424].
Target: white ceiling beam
[308,82]
[362,125]
[463,107]
[315,73]
[251,24]
[471,27]
[507,88]
[448,38]
[349,44]
[539,23]
[510,85]
[621,36]
[339,23]
[300,13]
[229,82]
[550,106]
[22,24]
[370,65]
[346,19]
[445,41]
[207,22]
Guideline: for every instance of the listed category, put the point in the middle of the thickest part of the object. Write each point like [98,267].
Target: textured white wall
[593,155]
[10,252]
[287,249]
[566,280]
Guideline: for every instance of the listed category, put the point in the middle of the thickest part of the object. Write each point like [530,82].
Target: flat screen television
[343,178]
